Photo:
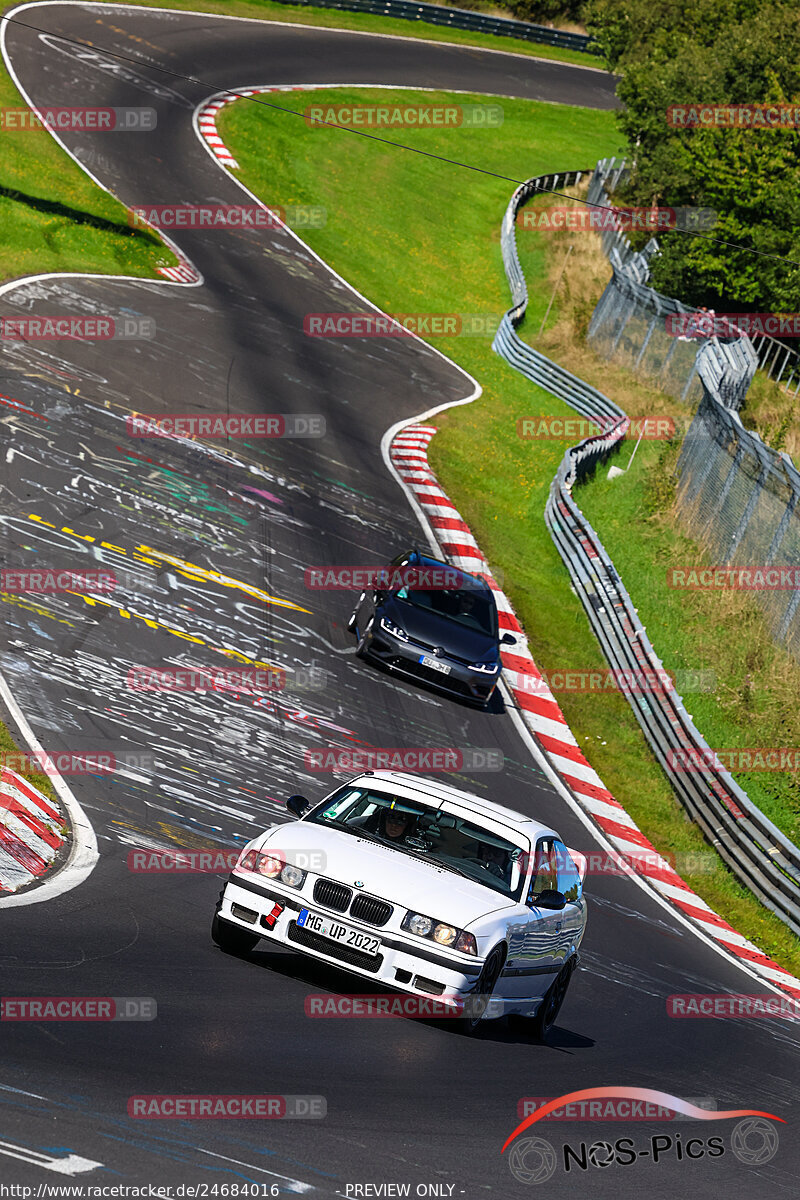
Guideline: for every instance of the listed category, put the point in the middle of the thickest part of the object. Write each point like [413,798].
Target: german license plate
[329,927]
[435,664]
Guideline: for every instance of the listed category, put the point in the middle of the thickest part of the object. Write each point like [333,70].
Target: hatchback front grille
[332,895]
[370,910]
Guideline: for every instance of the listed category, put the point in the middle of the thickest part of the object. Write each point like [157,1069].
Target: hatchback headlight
[394,630]
[293,876]
[440,932]
[485,668]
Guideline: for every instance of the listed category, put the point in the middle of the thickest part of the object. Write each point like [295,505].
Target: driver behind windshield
[495,860]
[395,825]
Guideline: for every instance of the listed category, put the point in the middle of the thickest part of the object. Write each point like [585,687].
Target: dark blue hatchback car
[439,628]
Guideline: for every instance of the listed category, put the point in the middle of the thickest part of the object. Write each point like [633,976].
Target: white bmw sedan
[421,887]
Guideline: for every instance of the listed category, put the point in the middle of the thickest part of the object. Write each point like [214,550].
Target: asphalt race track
[198,537]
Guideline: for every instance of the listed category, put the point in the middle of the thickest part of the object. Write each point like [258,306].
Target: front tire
[231,938]
[476,1004]
[361,648]
[554,997]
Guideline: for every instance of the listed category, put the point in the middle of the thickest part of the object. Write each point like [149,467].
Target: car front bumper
[399,964]
[474,687]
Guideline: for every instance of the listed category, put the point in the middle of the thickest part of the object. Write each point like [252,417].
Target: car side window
[569,880]
[545,869]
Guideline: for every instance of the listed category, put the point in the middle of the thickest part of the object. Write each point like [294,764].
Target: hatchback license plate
[337,932]
[435,664]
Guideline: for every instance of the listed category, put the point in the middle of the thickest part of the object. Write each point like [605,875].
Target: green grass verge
[53,218]
[416,235]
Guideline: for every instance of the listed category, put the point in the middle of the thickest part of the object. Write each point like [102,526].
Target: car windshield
[471,606]
[428,832]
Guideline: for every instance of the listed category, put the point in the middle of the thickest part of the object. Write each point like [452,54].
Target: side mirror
[549,899]
[297,805]
[508,639]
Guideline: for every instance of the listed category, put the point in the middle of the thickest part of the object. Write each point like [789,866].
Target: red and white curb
[544,719]
[32,831]
[207,116]
[184,272]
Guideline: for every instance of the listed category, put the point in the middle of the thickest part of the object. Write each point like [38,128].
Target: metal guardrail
[460,18]
[756,851]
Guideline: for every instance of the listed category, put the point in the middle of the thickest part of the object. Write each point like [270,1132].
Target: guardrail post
[748,512]
[780,532]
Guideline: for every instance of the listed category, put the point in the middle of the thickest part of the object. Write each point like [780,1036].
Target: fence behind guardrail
[758,853]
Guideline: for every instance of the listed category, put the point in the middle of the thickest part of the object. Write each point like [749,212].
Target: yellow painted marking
[237,654]
[34,608]
[85,537]
[185,568]
[201,573]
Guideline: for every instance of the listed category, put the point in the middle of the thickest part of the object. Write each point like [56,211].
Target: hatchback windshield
[472,607]
[429,833]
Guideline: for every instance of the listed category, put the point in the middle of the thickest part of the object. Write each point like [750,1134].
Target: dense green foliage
[713,52]
[542,11]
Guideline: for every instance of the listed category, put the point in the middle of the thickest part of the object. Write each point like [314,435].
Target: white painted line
[72,1165]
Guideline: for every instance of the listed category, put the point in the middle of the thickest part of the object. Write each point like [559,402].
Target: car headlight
[440,932]
[414,923]
[394,630]
[485,668]
[270,865]
[247,860]
[293,876]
